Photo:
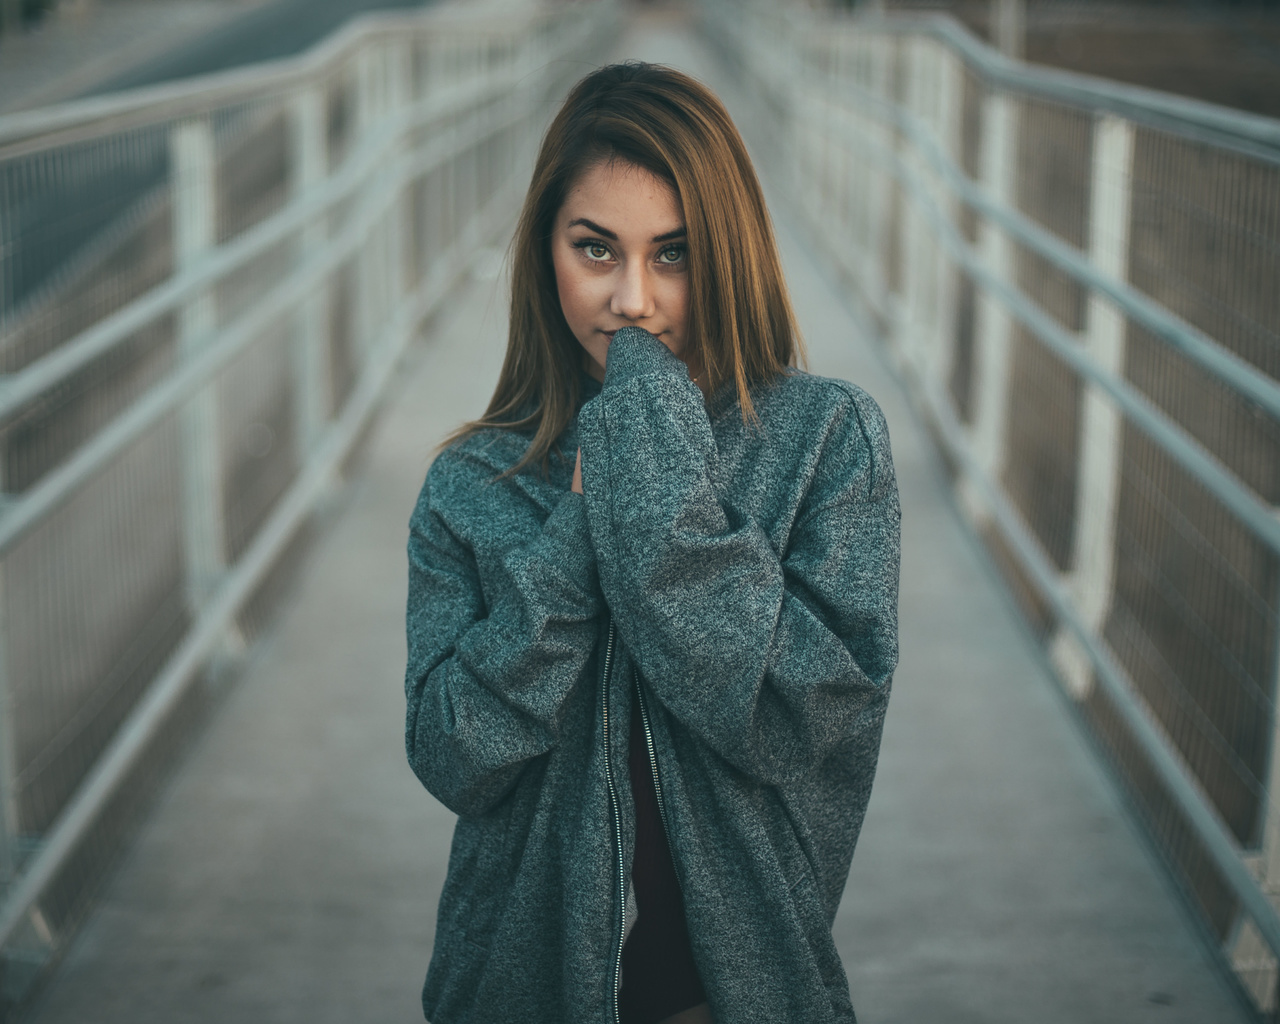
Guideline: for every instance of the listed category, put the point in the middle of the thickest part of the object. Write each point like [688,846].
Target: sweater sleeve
[486,684]
[775,659]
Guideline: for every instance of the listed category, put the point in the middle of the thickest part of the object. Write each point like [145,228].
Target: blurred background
[252,269]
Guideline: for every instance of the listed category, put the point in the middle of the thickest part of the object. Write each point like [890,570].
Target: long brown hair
[740,319]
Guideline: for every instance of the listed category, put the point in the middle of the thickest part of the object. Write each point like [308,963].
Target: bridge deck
[291,868]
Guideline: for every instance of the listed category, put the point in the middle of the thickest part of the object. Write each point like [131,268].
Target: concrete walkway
[291,869]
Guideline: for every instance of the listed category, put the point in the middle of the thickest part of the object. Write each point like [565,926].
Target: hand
[577,474]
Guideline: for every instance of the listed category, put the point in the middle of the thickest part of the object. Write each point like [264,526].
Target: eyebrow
[669,236]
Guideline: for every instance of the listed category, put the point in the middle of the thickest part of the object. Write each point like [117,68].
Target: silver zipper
[657,783]
[617,824]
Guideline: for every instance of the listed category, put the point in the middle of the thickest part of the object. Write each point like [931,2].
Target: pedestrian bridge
[237,313]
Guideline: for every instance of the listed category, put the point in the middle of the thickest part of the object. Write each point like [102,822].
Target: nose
[633,296]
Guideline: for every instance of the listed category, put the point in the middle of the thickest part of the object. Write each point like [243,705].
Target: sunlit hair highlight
[740,319]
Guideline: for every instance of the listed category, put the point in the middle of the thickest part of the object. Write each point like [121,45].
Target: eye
[671,254]
[595,251]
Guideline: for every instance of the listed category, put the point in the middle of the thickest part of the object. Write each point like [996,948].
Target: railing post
[993,334]
[8,753]
[880,193]
[916,313]
[399,240]
[192,189]
[365,270]
[8,768]
[1093,559]
[311,331]
[466,160]
[950,98]
[1253,960]
[811,107]
[933,100]
[1271,840]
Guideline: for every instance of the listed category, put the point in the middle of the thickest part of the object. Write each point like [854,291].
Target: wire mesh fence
[1078,280]
[203,289]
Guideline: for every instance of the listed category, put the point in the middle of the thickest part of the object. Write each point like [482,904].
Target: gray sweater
[746,579]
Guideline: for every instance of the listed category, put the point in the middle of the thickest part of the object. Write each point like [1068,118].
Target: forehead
[623,197]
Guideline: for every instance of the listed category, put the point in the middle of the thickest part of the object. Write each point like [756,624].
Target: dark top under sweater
[659,978]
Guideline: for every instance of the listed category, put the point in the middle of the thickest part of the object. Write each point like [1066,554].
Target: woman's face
[618,246]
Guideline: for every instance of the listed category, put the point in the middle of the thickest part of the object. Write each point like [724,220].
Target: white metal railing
[1077,278]
[204,288]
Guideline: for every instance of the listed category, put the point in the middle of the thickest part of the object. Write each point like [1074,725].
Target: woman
[652,603]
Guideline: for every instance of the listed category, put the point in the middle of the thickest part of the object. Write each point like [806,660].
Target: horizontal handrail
[891,144]
[76,353]
[365,197]
[82,119]
[130,742]
[1186,450]
[1172,771]
[21,513]
[1229,368]
[1239,130]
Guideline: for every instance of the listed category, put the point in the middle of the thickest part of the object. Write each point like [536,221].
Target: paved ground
[291,869]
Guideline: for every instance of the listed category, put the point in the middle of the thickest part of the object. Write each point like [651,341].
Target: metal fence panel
[1078,280]
[204,288]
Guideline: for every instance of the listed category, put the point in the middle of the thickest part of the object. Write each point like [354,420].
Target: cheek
[574,290]
[683,301]
[564,285]
[677,302]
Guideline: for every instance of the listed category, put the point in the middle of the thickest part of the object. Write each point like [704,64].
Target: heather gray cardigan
[746,579]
